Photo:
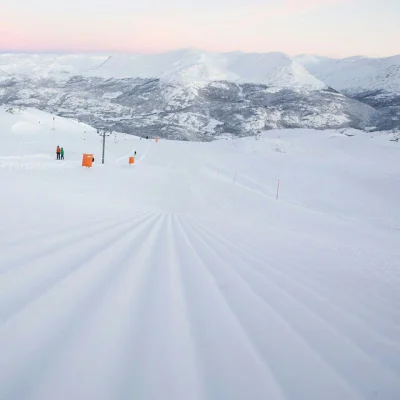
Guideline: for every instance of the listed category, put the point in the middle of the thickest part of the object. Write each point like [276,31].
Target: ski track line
[52,248]
[176,267]
[343,314]
[217,363]
[160,353]
[142,156]
[90,364]
[67,305]
[61,236]
[130,152]
[322,286]
[342,384]
[21,258]
[135,350]
[270,386]
[61,231]
[39,234]
[294,263]
[239,247]
[343,337]
[395,363]
[23,287]
[375,291]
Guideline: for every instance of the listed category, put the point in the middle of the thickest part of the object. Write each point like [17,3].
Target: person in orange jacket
[58,151]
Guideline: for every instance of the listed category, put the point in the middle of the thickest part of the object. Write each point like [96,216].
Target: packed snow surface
[183,277]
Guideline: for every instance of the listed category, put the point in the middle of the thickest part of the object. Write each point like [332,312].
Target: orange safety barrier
[131,160]
[87,160]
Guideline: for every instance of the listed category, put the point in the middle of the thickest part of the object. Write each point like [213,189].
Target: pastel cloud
[291,26]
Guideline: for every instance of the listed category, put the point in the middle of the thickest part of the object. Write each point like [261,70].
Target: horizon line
[115,52]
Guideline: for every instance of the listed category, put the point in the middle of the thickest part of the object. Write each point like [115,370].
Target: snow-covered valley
[183,276]
[198,95]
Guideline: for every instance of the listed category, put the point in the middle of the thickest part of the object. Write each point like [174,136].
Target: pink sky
[326,27]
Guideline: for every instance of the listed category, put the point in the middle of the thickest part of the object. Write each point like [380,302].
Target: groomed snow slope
[182,277]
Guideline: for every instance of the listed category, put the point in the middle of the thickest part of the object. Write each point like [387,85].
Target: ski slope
[182,276]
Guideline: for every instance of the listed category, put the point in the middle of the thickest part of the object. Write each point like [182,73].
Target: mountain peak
[184,66]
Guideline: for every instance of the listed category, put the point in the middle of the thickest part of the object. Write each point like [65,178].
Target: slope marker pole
[104,145]
[277,189]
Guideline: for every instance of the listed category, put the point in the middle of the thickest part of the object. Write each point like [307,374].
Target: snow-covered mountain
[374,81]
[184,66]
[355,74]
[186,94]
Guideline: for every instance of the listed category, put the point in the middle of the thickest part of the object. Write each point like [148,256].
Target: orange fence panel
[131,160]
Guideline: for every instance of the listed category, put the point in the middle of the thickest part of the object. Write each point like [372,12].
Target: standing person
[62,153]
[58,151]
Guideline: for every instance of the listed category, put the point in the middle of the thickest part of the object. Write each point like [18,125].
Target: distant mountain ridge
[374,81]
[185,66]
[357,73]
[196,95]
